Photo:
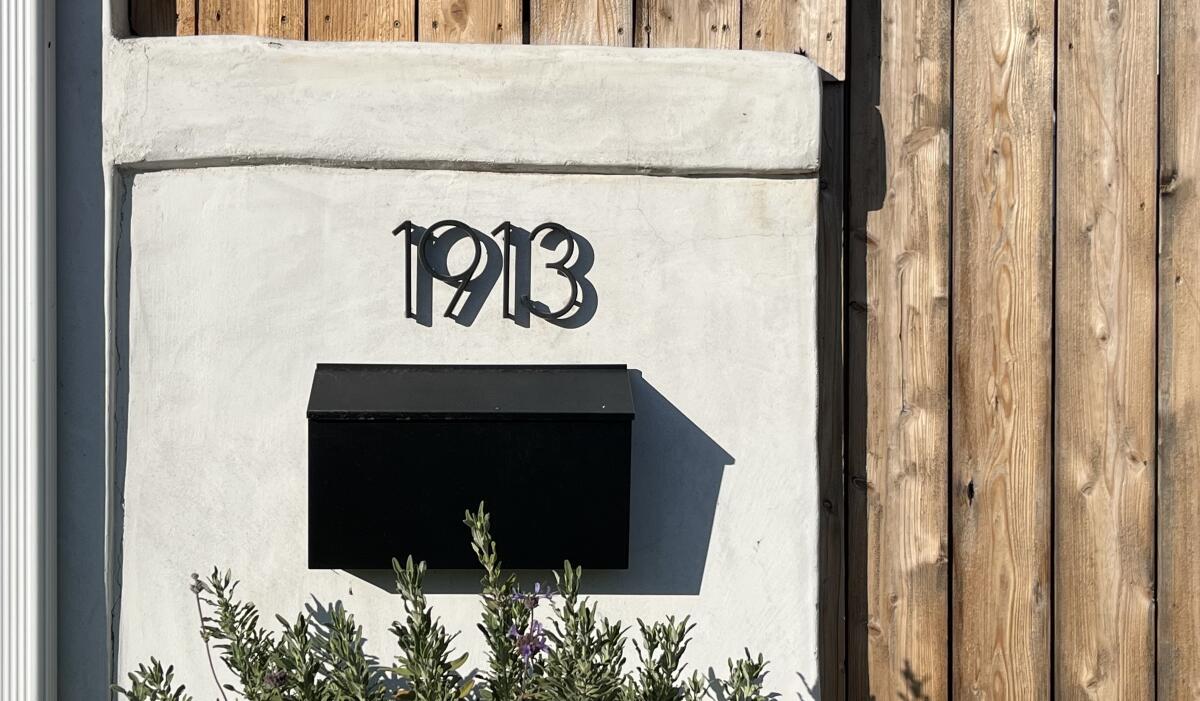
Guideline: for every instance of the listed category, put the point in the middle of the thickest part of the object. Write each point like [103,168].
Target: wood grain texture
[282,19]
[162,18]
[362,20]
[584,22]
[832,638]
[815,28]
[864,194]
[1179,355]
[697,24]
[899,219]
[1105,350]
[470,21]
[1002,347]
[187,13]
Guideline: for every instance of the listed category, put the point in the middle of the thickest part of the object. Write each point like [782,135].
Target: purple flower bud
[274,679]
[531,643]
[530,600]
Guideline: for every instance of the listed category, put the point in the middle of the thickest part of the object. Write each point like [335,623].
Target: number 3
[561,267]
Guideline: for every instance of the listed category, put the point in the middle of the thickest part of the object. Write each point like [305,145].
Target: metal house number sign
[513,241]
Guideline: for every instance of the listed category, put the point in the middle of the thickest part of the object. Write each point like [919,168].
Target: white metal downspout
[27,360]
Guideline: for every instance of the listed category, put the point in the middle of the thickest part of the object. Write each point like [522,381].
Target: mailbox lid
[345,392]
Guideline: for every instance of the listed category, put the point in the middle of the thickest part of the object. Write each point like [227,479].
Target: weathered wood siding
[1179,355]
[711,24]
[813,28]
[1105,347]
[283,19]
[1001,353]
[583,22]
[470,21]
[899,201]
[1010,244]
[361,20]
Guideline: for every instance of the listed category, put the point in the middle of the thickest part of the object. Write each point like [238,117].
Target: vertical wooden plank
[815,28]
[186,12]
[161,18]
[832,638]
[864,194]
[282,19]
[470,21]
[1002,353]
[1105,349]
[700,24]
[590,22]
[899,218]
[1179,361]
[361,20]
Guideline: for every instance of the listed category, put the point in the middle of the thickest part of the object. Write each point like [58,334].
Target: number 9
[459,281]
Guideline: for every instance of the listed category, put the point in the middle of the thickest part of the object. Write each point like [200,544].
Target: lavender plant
[507,676]
[424,643]
[348,672]
[577,655]
[586,659]
[246,648]
[152,683]
[660,657]
[745,682]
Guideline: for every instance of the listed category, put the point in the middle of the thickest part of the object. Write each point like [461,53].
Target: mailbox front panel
[411,481]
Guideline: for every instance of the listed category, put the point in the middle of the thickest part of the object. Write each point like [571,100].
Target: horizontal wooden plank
[361,20]
[470,21]
[593,22]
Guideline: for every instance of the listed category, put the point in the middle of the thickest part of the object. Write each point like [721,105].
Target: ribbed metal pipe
[26,355]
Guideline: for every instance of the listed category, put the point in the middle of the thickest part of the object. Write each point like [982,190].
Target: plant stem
[208,649]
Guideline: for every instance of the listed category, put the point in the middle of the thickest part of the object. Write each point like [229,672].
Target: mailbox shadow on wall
[676,472]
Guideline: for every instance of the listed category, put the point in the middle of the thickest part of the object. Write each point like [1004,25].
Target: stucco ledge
[195,101]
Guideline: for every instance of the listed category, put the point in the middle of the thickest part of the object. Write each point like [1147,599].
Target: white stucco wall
[251,189]
[240,280]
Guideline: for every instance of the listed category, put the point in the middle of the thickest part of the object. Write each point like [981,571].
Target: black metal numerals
[565,266]
[458,280]
[562,267]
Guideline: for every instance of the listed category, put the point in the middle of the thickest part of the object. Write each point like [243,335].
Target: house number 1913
[422,240]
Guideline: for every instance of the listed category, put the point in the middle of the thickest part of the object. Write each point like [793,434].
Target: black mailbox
[397,453]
